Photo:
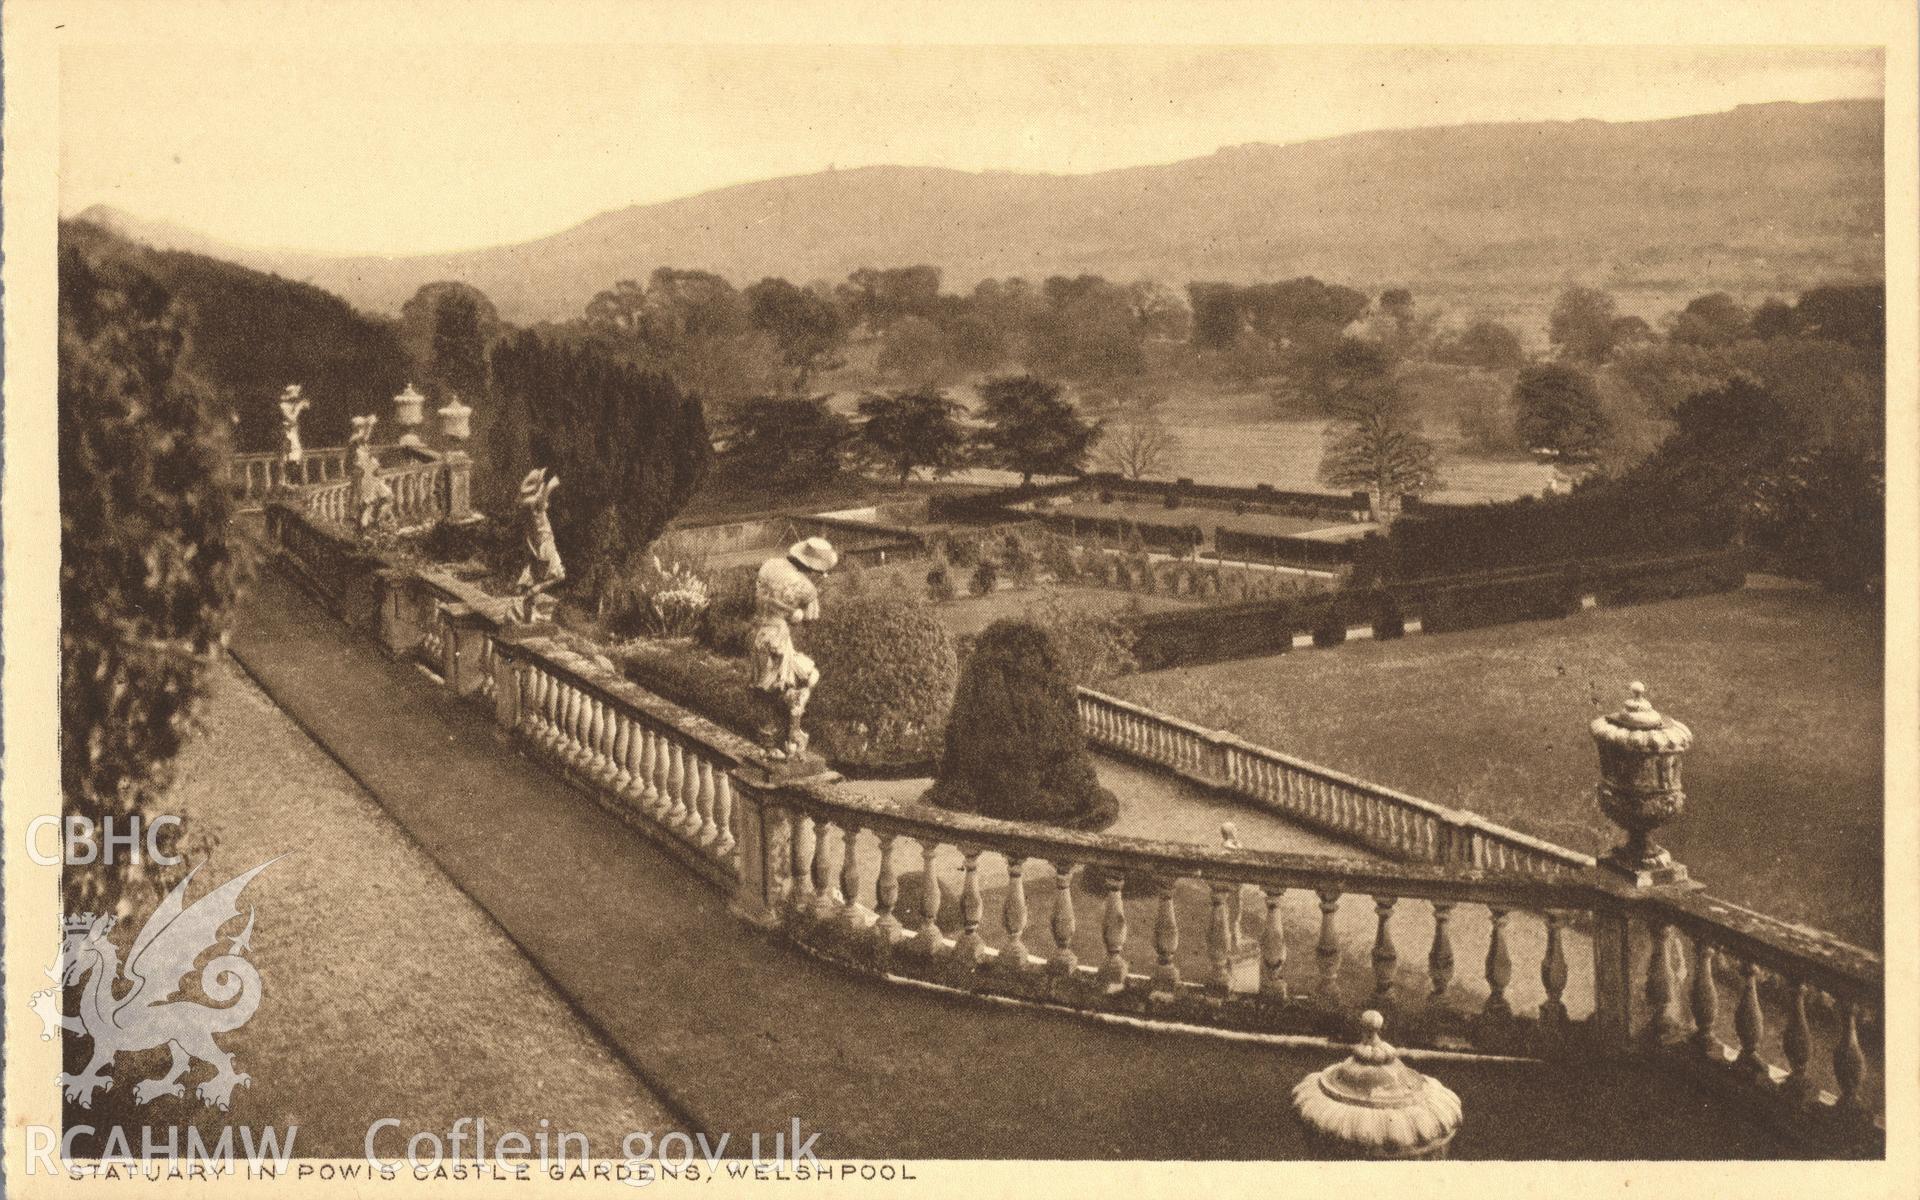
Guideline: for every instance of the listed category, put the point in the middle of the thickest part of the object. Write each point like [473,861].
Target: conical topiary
[1014,749]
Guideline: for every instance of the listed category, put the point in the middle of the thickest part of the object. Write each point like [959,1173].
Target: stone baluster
[1499,964]
[1750,1025]
[702,827]
[723,812]
[1385,957]
[928,940]
[1706,1002]
[825,902]
[1553,971]
[659,802]
[1013,918]
[1113,932]
[1327,952]
[1063,924]
[1440,955]
[800,897]
[850,878]
[1273,946]
[1849,1064]
[969,947]
[622,781]
[886,894]
[1220,938]
[609,740]
[634,758]
[595,723]
[676,786]
[1797,1040]
[1661,1024]
[1166,939]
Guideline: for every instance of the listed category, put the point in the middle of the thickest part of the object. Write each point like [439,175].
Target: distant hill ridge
[1762,197]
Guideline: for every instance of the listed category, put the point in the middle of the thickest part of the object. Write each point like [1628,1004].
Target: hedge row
[1184,637]
[1167,539]
[1283,550]
[1604,521]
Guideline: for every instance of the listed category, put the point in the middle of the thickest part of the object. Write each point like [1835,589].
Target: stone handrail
[1524,949]
[1380,818]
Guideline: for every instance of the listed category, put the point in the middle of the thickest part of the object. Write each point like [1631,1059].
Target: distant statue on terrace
[785,594]
[544,570]
[372,495]
[292,404]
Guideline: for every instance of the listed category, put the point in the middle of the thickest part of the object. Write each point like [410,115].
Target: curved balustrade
[1477,938]
[1394,823]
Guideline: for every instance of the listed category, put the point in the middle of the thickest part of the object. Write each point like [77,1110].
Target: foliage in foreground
[147,575]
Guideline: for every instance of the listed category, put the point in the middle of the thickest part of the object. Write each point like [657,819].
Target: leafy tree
[1581,326]
[1087,330]
[905,430]
[1377,445]
[879,297]
[1714,319]
[914,351]
[691,326]
[1158,310]
[809,329]
[1774,318]
[1488,345]
[1852,314]
[147,570]
[420,315]
[630,447]
[1559,411]
[788,443]
[459,363]
[1216,314]
[1030,427]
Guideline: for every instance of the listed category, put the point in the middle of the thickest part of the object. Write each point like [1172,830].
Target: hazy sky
[416,148]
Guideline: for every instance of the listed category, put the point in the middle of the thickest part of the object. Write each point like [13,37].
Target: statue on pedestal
[544,570]
[292,404]
[372,495]
[785,594]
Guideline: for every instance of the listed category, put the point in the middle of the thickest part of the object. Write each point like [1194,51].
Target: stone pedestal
[459,485]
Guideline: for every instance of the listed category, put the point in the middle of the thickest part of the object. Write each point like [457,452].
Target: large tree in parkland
[147,574]
[1032,429]
[629,446]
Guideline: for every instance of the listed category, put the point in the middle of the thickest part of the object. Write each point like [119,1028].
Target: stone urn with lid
[1373,1106]
[1640,785]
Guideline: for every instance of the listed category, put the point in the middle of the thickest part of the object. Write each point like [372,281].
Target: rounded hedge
[887,671]
[1014,749]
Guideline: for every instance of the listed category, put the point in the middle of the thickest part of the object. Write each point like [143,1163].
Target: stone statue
[785,594]
[544,570]
[292,404]
[372,495]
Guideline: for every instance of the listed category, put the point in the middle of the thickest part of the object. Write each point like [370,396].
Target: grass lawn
[1782,689]
[971,614]
[385,991]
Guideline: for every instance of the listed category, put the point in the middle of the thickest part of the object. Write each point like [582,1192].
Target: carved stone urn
[1640,785]
[455,419]
[408,414]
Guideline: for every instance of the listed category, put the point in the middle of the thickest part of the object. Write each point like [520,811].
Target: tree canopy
[1559,411]
[909,430]
[1030,427]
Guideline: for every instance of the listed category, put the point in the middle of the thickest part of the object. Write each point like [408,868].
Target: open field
[1782,688]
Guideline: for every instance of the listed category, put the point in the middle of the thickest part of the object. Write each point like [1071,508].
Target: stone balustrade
[1377,817]
[257,476]
[1473,939]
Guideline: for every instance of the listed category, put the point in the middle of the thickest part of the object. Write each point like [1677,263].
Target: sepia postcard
[1137,598]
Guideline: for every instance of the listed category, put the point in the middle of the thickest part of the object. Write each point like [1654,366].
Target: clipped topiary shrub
[1014,749]
[887,673]
[986,577]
